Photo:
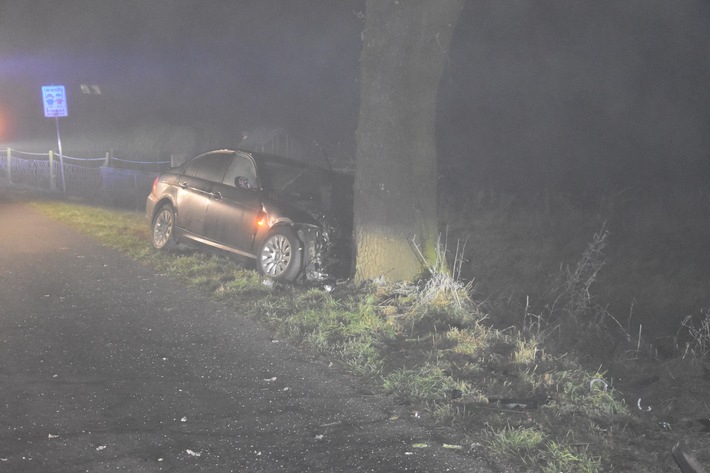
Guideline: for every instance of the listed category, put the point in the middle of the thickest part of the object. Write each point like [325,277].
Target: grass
[462,363]
[698,343]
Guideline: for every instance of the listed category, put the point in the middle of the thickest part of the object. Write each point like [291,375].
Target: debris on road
[644,409]
[452,447]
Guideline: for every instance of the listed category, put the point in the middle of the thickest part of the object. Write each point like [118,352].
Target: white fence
[92,178]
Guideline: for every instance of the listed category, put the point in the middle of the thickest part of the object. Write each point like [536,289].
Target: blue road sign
[54,99]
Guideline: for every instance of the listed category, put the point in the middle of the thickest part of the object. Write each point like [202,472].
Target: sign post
[54,99]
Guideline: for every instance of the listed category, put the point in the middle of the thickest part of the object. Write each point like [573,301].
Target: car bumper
[150,204]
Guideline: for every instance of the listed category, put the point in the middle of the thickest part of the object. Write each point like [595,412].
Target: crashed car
[294,219]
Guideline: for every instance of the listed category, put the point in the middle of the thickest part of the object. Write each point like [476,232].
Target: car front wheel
[280,255]
[161,232]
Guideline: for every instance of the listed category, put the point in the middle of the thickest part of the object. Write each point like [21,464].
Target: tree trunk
[404,52]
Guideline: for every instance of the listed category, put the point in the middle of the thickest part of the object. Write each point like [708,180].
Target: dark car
[295,220]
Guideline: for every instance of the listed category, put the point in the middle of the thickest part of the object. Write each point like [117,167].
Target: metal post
[61,157]
[52,177]
[9,165]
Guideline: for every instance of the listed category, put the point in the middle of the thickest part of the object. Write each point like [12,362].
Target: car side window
[210,167]
[241,167]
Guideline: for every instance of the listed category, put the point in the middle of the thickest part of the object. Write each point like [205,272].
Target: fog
[574,96]
[206,70]
[579,96]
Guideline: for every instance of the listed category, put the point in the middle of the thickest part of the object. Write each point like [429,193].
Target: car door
[232,213]
[195,190]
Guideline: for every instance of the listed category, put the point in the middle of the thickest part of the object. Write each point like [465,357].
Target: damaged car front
[317,203]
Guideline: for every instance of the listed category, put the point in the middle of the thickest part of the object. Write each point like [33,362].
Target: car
[293,219]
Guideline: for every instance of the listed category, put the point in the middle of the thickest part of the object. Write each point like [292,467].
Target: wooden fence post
[52,177]
[9,165]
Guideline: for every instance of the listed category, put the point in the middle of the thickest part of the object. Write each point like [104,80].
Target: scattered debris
[184,419]
[268,282]
[270,380]
[319,437]
[598,381]
[100,448]
[52,436]
[331,424]
[420,445]
[644,409]
[452,447]
[518,404]
[193,454]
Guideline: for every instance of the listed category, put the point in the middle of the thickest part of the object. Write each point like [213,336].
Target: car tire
[280,256]
[162,229]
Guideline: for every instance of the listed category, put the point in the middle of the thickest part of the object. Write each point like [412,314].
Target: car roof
[270,158]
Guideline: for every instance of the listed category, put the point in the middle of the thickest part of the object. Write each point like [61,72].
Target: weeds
[558,457]
[472,341]
[699,344]
[570,291]
[533,448]
[521,442]
[442,285]
[425,383]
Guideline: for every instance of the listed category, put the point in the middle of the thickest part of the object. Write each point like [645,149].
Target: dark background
[571,96]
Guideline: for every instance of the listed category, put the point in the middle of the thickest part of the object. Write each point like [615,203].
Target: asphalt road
[106,366]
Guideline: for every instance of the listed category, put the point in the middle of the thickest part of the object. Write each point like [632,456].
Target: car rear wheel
[280,256]
[161,232]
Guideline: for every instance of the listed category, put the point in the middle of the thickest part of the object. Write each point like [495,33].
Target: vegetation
[548,380]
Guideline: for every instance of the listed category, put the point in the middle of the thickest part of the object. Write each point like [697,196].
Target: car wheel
[161,231]
[280,255]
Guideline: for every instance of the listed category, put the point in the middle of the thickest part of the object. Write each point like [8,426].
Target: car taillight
[155,184]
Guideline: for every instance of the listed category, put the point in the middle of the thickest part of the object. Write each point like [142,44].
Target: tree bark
[404,52]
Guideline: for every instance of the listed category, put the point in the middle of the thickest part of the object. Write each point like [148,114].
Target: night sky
[568,95]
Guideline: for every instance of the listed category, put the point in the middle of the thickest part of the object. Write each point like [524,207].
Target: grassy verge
[513,382]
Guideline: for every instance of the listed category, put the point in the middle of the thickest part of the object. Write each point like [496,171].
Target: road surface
[106,366]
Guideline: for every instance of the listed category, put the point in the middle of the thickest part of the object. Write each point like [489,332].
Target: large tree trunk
[405,48]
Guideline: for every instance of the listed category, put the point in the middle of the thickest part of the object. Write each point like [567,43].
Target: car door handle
[183,185]
[216,195]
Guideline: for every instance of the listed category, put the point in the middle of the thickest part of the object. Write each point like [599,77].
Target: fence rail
[102,183]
